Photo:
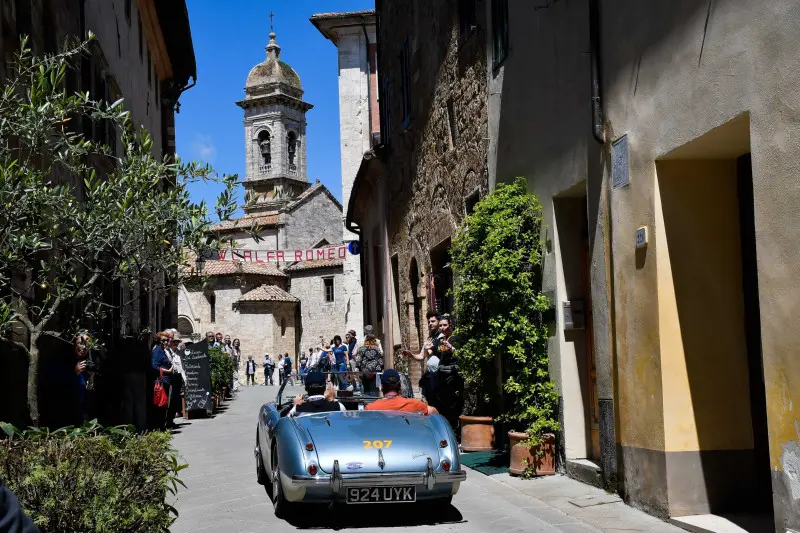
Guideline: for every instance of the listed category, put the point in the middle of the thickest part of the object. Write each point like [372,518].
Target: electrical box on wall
[573,315]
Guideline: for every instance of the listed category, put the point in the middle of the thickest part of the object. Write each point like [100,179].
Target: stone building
[142,53]
[274,307]
[429,167]
[353,33]
[662,140]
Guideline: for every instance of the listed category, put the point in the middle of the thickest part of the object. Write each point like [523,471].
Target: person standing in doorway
[449,382]
[427,382]
[250,371]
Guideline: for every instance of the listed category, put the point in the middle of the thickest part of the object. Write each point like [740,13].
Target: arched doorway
[185,327]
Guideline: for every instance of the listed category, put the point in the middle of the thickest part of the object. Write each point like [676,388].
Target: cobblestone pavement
[222,495]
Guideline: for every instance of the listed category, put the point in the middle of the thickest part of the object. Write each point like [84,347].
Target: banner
[285,256]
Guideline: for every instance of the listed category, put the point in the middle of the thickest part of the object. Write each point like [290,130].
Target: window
[451,121]
[386,112]
[405,76]
[466,18]
[292,148]
[265,147]
[499,31]
[141,38]
[128,11]
[49,29]
[212,304]
[283,327]
[328,285]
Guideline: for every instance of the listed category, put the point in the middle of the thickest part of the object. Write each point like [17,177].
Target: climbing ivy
[497,258]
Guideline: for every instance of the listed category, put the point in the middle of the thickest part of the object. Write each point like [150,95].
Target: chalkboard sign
[198,377]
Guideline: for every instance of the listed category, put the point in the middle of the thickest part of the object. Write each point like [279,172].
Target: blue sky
[229,39]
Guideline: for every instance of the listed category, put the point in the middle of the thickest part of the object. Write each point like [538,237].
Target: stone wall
[430,171]
[319,318]
[315,219]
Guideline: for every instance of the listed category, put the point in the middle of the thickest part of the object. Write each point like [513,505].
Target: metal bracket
[336,477]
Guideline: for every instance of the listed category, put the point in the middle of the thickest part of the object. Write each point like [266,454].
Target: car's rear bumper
[429,479]
[380,480]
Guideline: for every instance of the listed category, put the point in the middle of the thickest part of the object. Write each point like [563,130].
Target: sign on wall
[620,168]
[285,256]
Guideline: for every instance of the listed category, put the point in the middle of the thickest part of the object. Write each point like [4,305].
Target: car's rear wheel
[283,507]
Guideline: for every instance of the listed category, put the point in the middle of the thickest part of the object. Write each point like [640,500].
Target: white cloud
[203,148]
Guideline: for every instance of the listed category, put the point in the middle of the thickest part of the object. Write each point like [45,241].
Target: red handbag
[160,398]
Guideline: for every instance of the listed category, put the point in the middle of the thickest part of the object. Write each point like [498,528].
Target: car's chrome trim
[338,480]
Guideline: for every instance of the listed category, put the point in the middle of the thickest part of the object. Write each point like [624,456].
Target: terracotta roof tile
[224,268]
[245,223]
[268,293]
[320,263]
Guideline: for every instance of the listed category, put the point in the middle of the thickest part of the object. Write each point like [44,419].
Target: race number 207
[376,444]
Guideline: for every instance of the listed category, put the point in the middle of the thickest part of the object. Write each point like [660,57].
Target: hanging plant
[497,259]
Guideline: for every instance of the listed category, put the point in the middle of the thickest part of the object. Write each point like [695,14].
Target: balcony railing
[292,169]
[265,169]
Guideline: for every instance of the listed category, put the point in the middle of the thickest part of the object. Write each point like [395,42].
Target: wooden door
[594,404]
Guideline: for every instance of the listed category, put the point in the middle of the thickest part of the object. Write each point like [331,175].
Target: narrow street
[222,495]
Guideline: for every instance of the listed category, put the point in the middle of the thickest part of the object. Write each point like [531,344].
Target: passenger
[320,399]
[392,401]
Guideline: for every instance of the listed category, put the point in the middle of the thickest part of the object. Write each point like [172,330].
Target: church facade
[274,307]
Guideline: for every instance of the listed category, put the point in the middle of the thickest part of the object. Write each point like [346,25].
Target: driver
[319,399]
[391,386]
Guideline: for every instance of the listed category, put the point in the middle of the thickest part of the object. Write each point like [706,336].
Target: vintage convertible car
[355,456]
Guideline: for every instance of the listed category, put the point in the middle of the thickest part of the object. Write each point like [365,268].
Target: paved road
[222,494]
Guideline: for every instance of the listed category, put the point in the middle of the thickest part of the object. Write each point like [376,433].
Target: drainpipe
[594,44]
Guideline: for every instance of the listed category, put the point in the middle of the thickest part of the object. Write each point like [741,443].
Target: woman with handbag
[162,367]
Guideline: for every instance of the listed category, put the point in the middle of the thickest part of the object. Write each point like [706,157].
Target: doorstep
[734,523]
[585,471]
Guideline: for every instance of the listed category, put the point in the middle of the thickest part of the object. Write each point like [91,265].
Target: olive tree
[67,229]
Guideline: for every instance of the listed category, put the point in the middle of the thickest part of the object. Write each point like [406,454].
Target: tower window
[292,147]
[328,287]
[265,147]
[283,327]
[212,304]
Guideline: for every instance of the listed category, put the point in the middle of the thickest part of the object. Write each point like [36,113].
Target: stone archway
[185,327]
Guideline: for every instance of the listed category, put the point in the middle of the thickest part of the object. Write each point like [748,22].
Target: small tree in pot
[503,356]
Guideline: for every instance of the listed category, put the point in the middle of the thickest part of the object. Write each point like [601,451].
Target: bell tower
[275,134]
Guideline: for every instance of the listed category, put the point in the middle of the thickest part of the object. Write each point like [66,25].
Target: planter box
[477,433]
[541,457]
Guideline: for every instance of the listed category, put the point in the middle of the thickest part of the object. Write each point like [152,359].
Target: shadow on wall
[717,442]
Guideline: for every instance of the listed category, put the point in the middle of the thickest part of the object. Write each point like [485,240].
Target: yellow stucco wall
[701,311]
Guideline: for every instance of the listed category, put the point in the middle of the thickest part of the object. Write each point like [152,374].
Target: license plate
[382,495]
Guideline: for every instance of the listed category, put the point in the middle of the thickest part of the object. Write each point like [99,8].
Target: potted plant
[496,259]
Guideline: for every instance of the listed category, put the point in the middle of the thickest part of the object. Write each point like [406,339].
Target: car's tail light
[446,466]
[443,444]
[312,469]
[310,447]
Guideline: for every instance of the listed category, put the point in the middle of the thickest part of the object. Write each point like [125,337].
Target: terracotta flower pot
[477,433]
[541,457]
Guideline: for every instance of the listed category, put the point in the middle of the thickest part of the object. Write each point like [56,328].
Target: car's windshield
[346,385]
